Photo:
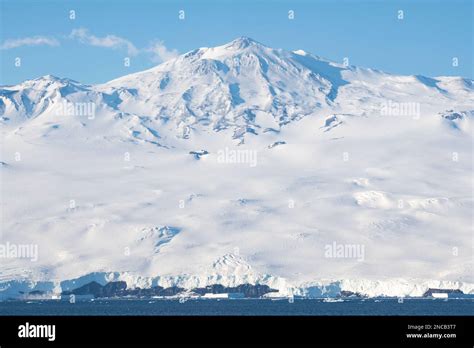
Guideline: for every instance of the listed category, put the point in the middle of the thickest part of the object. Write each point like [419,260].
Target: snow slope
[302,153]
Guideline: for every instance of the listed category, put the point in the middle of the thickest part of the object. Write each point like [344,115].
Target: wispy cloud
[29,41]
[156,50]
[160,53]
[109,41]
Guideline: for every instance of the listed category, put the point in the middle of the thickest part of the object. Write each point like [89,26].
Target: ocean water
[241,307]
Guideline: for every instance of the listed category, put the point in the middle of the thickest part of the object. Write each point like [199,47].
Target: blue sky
[91,48]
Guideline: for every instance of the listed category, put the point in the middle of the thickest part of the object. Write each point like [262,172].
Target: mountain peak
[49,77]
[242,42]
[54,79]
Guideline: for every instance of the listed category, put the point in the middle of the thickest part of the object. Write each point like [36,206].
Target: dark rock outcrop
[198,154]
[92,288]
[113,288]
[430,291]
[249,290]
[346,293]
[119,289]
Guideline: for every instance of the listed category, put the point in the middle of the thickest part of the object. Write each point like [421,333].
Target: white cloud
[109,41]
[160,53]
[29,41]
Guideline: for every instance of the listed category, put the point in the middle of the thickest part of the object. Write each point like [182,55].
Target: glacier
[123,180]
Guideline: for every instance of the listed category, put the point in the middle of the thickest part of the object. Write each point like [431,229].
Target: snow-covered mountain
[241,163]
[243,86]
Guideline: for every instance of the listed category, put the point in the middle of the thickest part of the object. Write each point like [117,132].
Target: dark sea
[242,307]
